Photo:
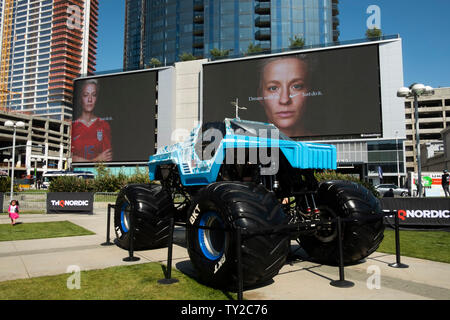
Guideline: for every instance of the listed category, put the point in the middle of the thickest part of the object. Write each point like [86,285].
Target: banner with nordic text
[419,211]
[70,202]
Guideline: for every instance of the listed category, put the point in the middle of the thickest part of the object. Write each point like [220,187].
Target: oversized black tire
[151,207]
[226,205]
[361,237]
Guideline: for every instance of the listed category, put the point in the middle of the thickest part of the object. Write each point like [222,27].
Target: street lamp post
[15,125]
[416,90]
[396,151]
[36,160]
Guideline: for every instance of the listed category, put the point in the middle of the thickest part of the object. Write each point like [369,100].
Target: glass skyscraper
[166,29]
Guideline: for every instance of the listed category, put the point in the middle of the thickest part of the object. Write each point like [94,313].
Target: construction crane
[6,53]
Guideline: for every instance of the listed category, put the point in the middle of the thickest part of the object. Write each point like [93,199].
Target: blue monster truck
[247,174]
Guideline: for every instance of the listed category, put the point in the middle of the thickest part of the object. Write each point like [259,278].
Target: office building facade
[165,30]
[434,117]
[45,46]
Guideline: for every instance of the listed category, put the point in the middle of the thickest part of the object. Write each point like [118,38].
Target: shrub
[70,184]
[104,181]
[5,185]
[333,175]
[139,177]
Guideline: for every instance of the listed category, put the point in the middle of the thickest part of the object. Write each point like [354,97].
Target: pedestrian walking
[13,211]
[445,180]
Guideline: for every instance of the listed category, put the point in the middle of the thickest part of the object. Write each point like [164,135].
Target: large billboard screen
[114,118]
[326,93]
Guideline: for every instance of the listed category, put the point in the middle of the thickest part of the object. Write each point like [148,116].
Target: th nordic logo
[70,203]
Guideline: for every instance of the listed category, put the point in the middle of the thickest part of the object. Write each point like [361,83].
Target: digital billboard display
[114,118]
[324,93]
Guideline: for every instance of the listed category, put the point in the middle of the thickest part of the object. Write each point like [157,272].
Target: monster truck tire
[226,205]
[151,207]
[361,237]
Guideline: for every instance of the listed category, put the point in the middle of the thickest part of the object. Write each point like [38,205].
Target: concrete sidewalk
[300,280]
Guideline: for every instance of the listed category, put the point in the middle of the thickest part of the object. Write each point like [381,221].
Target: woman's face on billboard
[283,87]
[89,97]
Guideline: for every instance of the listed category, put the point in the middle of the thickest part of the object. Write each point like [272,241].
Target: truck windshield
[255,129]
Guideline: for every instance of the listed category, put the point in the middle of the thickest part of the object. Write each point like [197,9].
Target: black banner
[419,211]
[70,202]
[1,201]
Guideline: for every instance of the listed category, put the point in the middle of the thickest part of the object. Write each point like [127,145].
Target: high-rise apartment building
[167,29]
[46,44]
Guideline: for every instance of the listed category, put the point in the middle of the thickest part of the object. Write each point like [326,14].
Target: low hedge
[333,175]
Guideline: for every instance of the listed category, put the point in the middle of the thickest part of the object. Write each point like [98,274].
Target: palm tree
[253,49]
[373,33]
[296,42]
[187,56]
[154,63]
[217,53]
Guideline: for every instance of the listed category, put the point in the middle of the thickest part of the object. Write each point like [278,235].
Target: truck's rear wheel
[361,237]
[224,206]
[151,208]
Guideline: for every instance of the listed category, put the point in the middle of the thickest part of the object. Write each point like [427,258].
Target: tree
[373,33]
[187,56]
[5,185]
[252,49]
[217,53]
[154,63]
[102,169]
[296,42]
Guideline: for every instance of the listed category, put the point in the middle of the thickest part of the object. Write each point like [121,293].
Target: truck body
[194,169]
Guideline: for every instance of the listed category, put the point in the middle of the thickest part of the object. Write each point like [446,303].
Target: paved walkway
[300,280]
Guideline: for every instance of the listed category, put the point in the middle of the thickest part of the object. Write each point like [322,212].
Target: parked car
[382,188]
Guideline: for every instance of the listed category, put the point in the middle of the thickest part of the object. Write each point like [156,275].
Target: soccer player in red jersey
[91,136]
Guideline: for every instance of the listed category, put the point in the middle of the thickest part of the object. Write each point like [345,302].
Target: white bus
[48,176]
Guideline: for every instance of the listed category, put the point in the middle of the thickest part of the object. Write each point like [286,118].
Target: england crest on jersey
[99,135]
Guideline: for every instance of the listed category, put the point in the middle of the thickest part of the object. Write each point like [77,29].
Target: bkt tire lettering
[194,215]
[219,264]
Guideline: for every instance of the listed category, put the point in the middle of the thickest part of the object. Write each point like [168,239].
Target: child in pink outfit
[13,211]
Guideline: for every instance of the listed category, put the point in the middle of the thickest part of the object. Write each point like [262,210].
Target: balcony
[335,22]
[198,43]
[265,45]
[198,18]
[262,21]
[262,35]
[336,34]
[335,9]
[262,8]
[198,30]
[198,5]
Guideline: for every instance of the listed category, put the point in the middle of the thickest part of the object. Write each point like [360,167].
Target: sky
[424,27]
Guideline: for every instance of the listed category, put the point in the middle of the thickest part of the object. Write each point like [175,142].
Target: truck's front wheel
[151,207]
[221,207]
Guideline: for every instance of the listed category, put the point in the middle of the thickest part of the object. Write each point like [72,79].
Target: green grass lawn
[429,245]
[136,282]
[40,230]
